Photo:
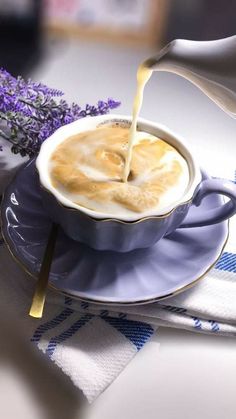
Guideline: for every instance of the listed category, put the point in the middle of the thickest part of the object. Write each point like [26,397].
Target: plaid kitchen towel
[92,344]
[92,349]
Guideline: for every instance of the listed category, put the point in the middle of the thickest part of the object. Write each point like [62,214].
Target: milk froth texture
[87,169]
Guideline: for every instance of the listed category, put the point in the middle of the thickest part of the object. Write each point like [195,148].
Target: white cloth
[92,350]
[92,344]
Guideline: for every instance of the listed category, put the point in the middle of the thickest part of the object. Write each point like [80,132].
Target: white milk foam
[88,170]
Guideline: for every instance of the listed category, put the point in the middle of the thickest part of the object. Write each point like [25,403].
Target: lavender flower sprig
[30,112]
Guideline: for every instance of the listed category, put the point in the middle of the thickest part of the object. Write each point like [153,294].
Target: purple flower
[30,112]
[112,104]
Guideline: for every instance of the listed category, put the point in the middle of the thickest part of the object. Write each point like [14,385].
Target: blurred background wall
[20,34]
[25,24]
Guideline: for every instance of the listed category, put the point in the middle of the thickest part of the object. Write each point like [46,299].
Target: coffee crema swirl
[87,169]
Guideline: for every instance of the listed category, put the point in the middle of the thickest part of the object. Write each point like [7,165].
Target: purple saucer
[140,276]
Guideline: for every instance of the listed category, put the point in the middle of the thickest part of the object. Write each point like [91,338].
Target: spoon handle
[37,305]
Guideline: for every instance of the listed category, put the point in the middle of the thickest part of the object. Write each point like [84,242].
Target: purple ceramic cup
[104,231]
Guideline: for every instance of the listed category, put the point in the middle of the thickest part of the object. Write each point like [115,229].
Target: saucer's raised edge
[150,300]
[112,303]
[100,302]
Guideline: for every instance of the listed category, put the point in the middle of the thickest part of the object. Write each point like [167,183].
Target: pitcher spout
[210,65]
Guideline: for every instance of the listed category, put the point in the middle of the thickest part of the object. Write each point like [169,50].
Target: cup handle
[216,215]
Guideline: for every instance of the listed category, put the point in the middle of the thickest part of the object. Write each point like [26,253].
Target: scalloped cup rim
[92,122]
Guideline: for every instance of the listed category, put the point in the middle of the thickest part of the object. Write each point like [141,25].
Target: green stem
[10,140]
[28,102]
[20,128]
[3,135]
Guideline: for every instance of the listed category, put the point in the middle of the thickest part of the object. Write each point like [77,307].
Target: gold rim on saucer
[111,303]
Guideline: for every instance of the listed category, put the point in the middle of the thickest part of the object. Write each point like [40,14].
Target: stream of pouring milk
[143,75]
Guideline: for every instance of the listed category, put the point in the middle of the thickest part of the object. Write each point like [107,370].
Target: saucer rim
[100,301]
[115,303]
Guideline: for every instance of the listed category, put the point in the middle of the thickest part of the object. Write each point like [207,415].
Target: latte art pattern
[88,170]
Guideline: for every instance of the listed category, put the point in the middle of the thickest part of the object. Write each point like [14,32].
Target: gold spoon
[37,305]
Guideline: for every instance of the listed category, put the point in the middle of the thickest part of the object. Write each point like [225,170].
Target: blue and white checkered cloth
[92,345]
[91,348]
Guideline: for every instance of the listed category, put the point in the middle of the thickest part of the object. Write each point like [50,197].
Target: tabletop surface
[178,374]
